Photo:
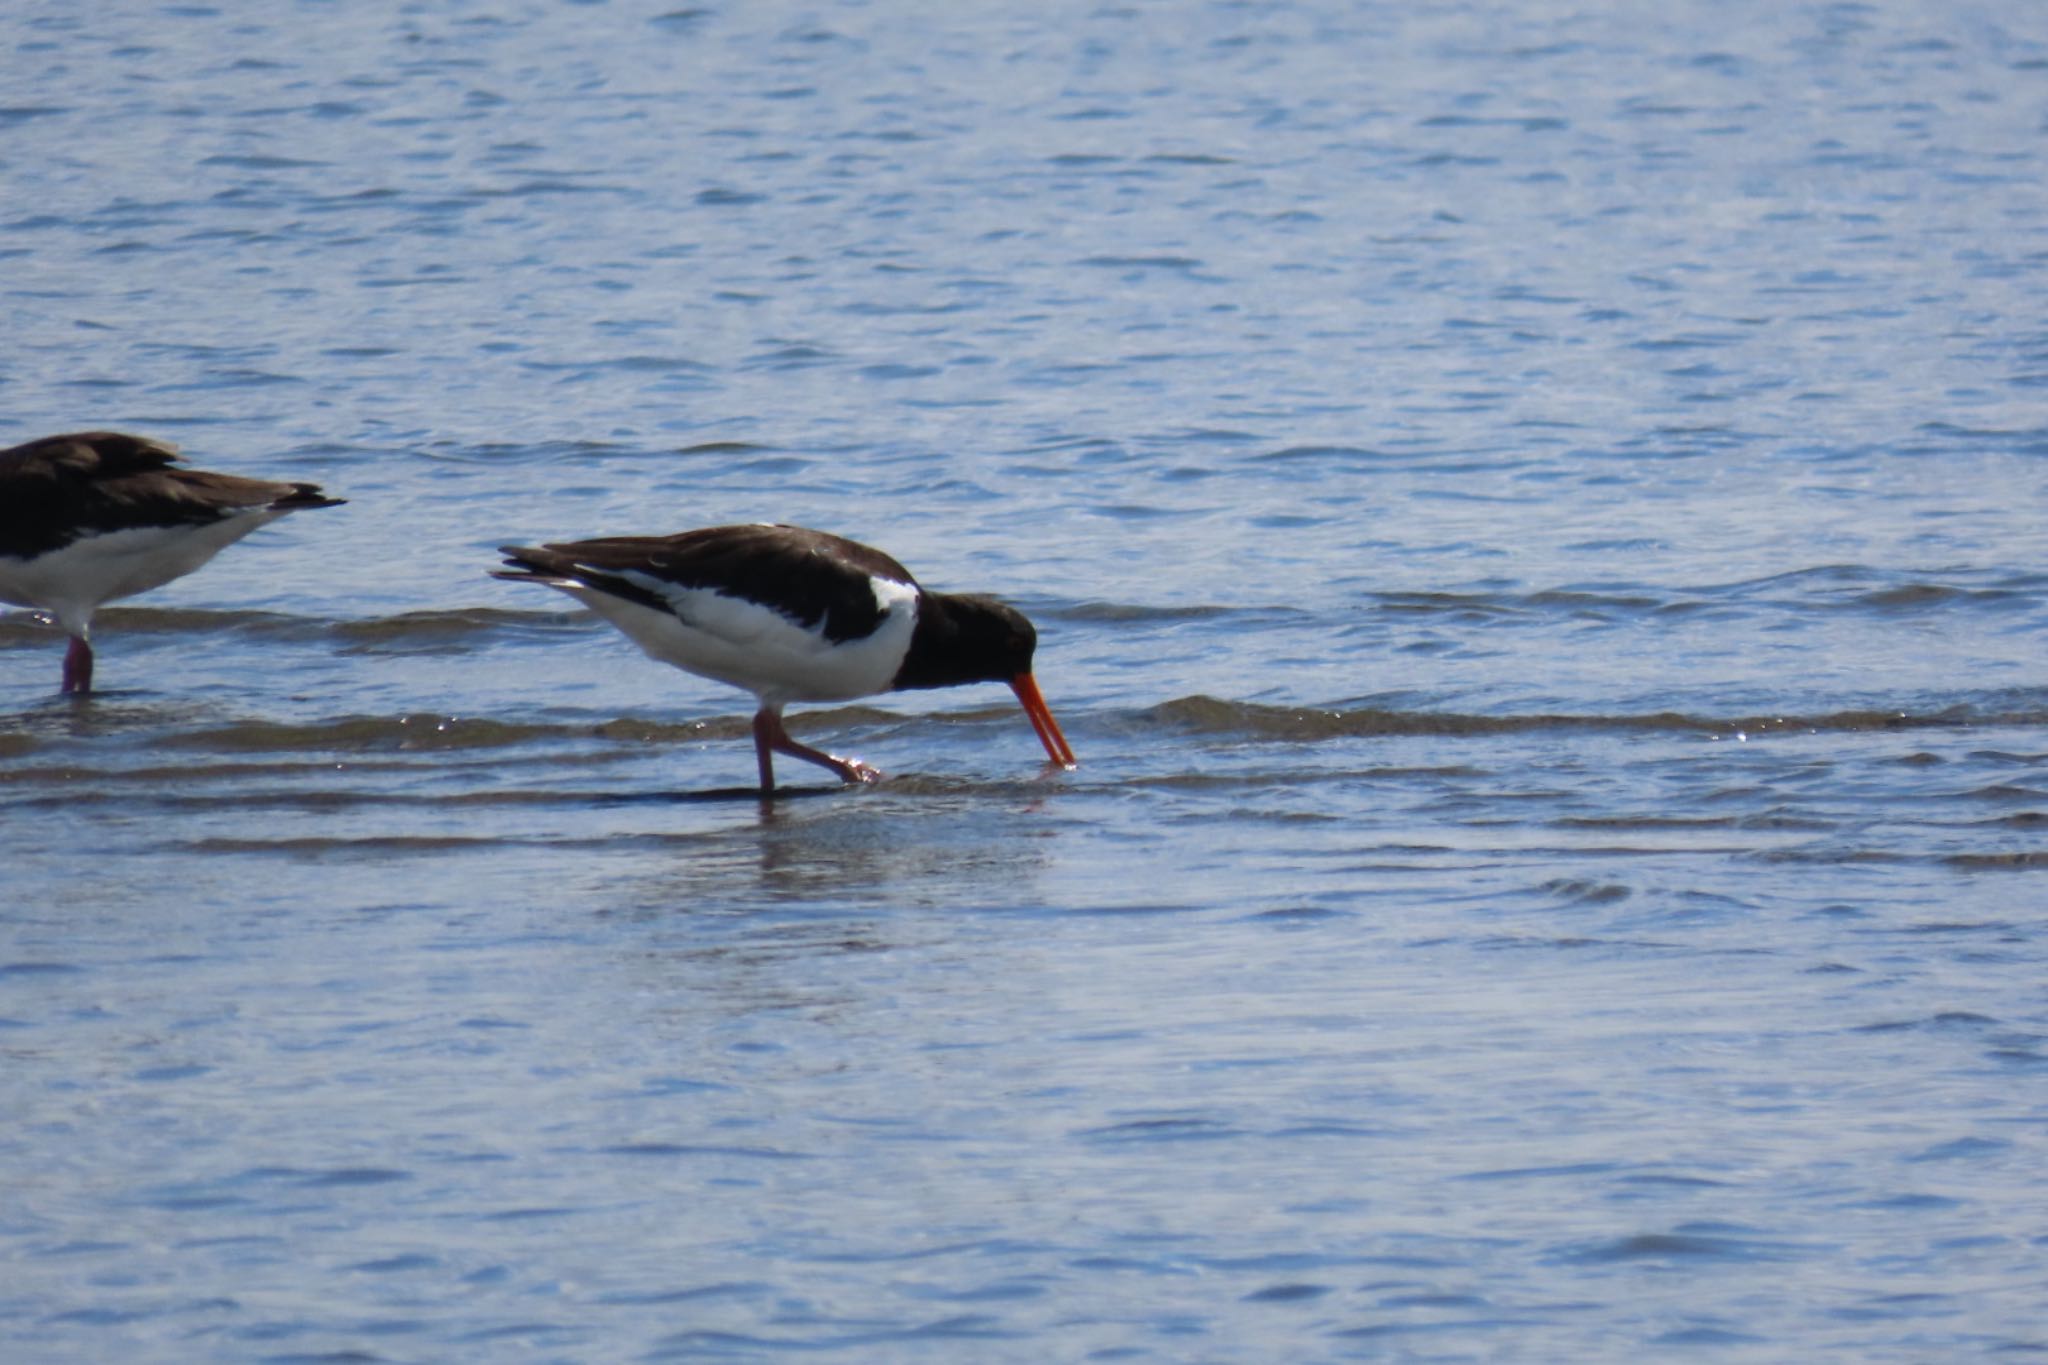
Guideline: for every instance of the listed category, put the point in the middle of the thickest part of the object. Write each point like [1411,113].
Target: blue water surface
[1534,515]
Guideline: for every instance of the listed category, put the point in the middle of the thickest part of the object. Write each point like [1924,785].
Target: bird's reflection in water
[806,909]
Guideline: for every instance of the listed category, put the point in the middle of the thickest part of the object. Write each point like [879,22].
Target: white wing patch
[746,645]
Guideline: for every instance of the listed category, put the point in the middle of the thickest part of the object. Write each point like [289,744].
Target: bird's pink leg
[770,736]
[78,667]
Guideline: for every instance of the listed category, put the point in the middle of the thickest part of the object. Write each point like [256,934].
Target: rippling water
[1535,522]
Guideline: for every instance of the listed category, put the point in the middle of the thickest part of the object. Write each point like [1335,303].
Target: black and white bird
[94,516]
[793,615]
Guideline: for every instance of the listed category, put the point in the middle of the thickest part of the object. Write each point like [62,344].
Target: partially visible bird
[791,615]
[94,516]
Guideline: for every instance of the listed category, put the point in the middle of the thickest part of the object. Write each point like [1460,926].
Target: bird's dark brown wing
[58,488]
[811,577]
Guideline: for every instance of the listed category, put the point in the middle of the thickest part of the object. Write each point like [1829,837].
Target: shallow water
[1535,524]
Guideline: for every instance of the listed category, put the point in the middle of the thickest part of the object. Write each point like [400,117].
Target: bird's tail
[305,495]
[535,564]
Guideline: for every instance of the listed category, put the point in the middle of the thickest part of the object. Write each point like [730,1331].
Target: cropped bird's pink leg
[78,667]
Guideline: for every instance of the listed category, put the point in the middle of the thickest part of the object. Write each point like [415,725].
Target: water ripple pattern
[1535,517]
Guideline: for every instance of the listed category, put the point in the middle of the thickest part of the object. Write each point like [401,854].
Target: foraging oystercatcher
[793,615]
[92,516]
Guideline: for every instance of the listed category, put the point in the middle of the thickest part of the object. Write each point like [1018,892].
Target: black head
[966,638]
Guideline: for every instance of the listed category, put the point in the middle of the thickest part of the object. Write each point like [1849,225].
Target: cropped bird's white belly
[106,566]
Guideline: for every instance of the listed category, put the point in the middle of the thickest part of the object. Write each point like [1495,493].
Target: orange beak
[1048,729]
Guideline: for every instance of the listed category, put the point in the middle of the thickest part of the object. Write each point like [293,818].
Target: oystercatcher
[93,516]
[793,615]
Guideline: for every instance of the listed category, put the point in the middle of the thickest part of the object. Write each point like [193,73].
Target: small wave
[459,625]
[1201,715]
[1161,262]
[1213,715]
[1997,862]
[28,627]
[1687,1244]
[354,734]
[1337,455]
[418,629]
[722,448]
[1947,1019]
[1122,612]
[434,731]
[1907,597]
[1817,590]
[1832,857]
[1471,606]
[681,1149]
[1574,891]
[1165,1129]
